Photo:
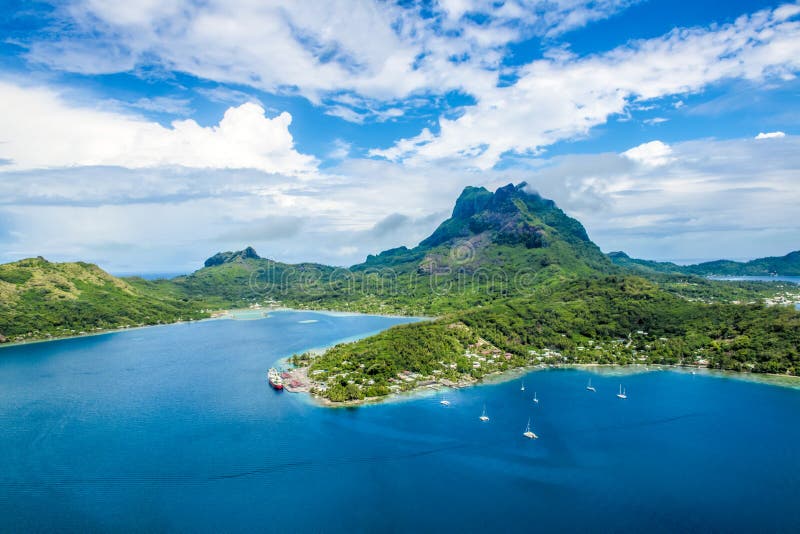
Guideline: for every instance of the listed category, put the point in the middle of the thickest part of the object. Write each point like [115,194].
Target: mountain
[788,265]
[40,299]
[493,245]
[243,277]
[532,231]
[229,257]
[496,247]
[645,266]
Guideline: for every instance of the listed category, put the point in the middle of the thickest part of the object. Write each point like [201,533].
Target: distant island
[512,280]
[788,265]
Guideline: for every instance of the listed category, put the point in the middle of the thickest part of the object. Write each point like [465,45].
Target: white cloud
[563,97]
[711,200]
[38,129]
[129,219]
[548,18]
[340,150]
[377,50]
[164,104]
[770,135]
[652,154]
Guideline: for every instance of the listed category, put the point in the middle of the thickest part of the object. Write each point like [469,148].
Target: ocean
[175,428]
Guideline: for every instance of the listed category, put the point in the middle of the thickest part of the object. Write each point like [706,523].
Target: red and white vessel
[275,379]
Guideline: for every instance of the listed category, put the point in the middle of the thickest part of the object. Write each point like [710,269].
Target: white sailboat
[622,394]
[522,387]
[590,387]
[535,398]
[483,416]
[528,433]
[444,401]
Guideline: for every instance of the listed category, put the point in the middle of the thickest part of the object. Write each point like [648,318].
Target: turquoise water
[174,428]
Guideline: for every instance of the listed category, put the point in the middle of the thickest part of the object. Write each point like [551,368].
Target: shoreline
[500,377]
[99,333]
[228,314]
[779,380]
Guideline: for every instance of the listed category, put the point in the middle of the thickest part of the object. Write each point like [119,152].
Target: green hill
[613,320]
[40,299]
[508,254]
[493,246]
[788,265]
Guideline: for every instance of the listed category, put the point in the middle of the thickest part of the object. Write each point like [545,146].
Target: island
[509,279]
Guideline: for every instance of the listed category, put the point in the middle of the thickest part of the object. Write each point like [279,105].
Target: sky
[146,136]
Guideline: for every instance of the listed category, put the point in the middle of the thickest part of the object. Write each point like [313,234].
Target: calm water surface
[174,428]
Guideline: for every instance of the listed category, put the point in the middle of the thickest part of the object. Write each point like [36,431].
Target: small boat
[535,398]
[483,416]
[528,433]
[590,387]
[444,401]
[275,379]
[622,394]
[522,387]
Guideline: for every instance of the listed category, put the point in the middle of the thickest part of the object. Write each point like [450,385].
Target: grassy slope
[40,299]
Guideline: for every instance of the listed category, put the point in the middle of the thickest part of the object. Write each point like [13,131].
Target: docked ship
[275,379]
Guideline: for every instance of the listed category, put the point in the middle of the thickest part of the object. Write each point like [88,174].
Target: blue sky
[145,137]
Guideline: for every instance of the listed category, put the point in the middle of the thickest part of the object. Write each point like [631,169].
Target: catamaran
[622,394]
[483,416]
[535,399]
[528,433]
[590,387]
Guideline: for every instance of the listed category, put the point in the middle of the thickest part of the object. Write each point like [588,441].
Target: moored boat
[275,379]
[528,432]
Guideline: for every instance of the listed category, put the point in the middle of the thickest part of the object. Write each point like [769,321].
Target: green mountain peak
[219,258]
[511,215]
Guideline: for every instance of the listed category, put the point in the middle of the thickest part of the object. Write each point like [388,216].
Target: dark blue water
[174,428]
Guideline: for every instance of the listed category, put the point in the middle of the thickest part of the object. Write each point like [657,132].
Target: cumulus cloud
[173,218]
[770,135]
[109,186]
[564,97]
[332,51]
[653,154]
[710,198]
[39,130]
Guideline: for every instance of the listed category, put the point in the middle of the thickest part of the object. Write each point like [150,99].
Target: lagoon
[175,428]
